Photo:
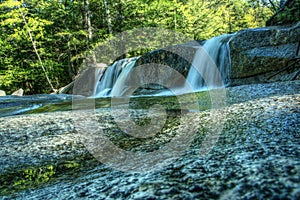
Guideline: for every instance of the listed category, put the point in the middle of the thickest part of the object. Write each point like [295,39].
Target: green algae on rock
[256,156]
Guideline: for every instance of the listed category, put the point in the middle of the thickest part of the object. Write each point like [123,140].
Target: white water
[210,69]
[211,65]
[111,76]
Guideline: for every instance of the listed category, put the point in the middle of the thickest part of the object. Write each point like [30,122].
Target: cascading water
[210,69]
[112,74]
[213,63]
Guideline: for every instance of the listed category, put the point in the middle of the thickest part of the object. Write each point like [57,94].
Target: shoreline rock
[256,156]
[2,93]
[18,92]
[257,55]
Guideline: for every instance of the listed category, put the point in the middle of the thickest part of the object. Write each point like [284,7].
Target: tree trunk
[87,19]
[88,28]
[175,16]
[107,11]
[37,53]
[70,66]
[229,17]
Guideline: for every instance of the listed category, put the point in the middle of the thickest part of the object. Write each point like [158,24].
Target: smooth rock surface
[18,92]
[179,57]
[258,53]
[257,155]
[15,105]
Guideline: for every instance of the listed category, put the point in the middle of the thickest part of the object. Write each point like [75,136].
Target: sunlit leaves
[60,36]
[9,4]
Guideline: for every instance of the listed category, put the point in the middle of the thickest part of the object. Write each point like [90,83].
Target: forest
[44,42]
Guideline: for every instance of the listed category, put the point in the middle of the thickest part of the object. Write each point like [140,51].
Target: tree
[287,13]
[64,32]
[25,36]
[107,11]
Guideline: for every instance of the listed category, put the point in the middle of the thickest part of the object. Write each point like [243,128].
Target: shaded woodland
[43,43]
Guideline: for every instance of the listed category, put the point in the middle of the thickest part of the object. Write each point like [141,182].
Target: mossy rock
[32,177]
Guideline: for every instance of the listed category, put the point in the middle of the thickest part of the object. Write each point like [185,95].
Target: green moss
[32,177]
[168,102]
[26,178]
[172,103]
[129,143]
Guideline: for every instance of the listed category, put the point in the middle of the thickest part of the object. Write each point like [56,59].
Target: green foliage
[211,18]
[290,14]
[61,34]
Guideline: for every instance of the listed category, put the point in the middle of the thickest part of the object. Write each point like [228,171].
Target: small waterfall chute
[209,69]
[211,64]
[112,75]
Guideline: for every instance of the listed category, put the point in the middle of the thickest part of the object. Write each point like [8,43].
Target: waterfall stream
[211,64]
[209,69]
[112,74]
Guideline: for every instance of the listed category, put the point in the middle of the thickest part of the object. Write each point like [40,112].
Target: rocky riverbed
[255,156]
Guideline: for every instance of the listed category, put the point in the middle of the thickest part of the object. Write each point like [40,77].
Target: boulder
[68,89]
[178,57]
[86,81]
[257,54]
[2,93]
[19,92]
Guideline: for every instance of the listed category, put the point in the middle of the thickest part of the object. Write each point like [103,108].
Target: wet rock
[14,105]
[257,155]
[178,57]
[85,83]
[85,80]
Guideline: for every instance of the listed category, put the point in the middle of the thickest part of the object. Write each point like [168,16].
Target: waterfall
[210,68]
[111,76]
[213,63]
